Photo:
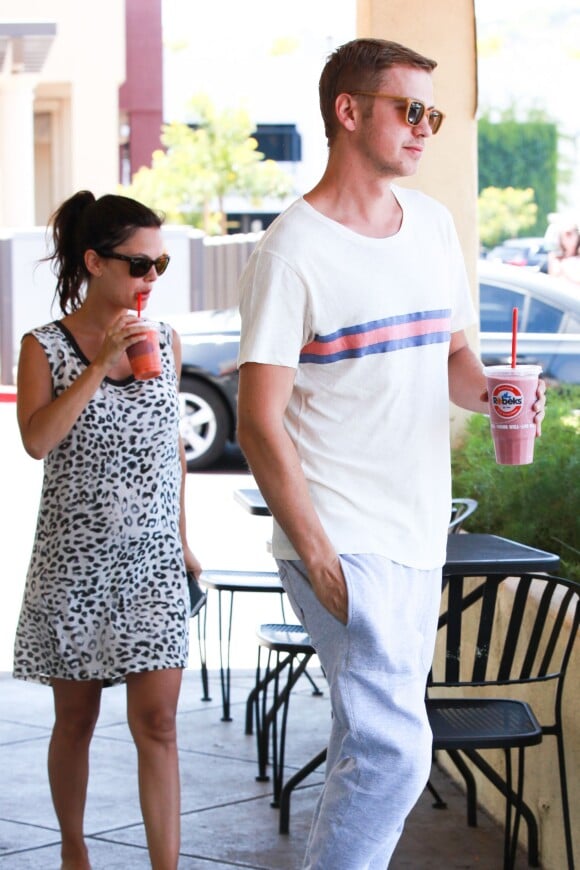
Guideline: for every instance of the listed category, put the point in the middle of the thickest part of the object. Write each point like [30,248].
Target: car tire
[204,423]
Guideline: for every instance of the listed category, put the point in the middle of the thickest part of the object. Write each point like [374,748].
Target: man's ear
[347,111]
[93,263]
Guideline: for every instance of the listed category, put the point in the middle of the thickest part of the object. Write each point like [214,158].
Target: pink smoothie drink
[512,394]
[144,355]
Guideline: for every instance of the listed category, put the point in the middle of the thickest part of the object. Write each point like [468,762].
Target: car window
[495,307]
[543,317]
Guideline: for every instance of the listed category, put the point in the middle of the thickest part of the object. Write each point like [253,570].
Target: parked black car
[548,334]
[209,382]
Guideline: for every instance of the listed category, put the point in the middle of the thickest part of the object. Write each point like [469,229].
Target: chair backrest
[461,508]
[496,631]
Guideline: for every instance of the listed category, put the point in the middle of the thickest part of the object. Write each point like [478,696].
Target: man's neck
[370,210]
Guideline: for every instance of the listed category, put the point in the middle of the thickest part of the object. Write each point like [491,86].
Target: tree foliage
[204,162]
[505,213]
[522,155]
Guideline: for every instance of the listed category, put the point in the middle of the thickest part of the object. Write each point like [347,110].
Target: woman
[565,262]
[106,596]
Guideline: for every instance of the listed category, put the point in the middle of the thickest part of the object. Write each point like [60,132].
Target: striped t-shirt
[366,323]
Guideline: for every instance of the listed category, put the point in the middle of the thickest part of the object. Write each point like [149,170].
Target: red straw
[514,336]
[139,305]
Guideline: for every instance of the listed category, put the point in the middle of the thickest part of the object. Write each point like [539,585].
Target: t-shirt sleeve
[463,313]
[274,312]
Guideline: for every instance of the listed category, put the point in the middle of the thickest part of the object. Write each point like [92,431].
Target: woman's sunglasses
[140,265]
[414,109]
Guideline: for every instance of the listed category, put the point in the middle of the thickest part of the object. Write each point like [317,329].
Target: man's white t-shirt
[366,323]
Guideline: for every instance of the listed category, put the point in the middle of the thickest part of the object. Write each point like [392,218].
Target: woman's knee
[76,709]
[153,723]
[152,705]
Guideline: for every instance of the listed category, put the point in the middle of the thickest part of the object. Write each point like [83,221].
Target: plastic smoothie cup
[144,355]
[512,394]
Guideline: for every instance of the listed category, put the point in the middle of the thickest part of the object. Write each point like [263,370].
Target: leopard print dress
[106,590]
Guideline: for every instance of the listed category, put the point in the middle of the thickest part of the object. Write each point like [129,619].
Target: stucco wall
[79,87]
[445,32]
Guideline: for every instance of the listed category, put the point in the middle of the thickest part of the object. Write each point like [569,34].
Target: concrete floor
[227,820]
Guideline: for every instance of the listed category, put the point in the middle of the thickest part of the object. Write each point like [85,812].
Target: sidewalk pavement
[227,819]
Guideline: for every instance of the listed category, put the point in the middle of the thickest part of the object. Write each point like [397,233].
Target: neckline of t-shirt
[84,359]
[359,237]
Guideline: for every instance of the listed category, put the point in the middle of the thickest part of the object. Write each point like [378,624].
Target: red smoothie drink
[512,393]
[144,356]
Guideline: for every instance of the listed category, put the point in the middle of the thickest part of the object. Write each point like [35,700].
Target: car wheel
[203,424]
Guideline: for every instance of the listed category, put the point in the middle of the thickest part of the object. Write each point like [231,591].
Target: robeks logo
[507,400]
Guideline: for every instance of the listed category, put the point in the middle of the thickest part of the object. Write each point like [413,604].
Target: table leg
[225,672]
[202,643]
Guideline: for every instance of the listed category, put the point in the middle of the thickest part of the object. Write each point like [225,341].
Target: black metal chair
[506,633]
[289,651]
[461,509]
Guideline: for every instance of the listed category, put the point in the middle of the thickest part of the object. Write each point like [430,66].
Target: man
[353,309]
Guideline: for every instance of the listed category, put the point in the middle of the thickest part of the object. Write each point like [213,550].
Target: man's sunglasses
[140,265]
[414,109]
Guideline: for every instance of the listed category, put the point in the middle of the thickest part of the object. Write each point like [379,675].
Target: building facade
[80,97]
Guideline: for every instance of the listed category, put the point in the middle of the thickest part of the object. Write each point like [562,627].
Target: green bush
[520,154]
[536,504]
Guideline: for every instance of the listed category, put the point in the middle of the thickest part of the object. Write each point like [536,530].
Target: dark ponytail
[82,223]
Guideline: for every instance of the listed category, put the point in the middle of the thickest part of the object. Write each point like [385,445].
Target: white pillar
[17,150]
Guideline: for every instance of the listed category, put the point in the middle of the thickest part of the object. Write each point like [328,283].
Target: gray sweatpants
[379,754]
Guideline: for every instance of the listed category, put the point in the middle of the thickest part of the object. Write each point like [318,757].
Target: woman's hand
[126,330]
[191,562]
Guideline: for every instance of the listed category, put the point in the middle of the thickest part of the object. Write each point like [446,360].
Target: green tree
[204,162]
[521,154]
[505,213]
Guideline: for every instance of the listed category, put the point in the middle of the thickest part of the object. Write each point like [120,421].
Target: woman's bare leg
[76,706]
[151,708]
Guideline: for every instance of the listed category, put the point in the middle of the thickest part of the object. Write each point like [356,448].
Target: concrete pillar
[445,32]
[17,150]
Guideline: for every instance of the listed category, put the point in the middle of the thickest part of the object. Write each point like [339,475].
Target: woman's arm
[43,419]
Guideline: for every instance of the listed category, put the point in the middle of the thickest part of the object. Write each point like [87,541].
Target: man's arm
[467,384]
[264,393]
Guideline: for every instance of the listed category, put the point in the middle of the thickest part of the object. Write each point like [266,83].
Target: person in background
[106,598]
[354,305]
[564,262]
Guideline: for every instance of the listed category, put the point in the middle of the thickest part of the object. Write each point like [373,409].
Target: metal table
[226,584]
[252,500]
[491,554]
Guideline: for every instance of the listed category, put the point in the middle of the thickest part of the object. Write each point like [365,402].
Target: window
[543,317]
[495,307]
[279,142]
